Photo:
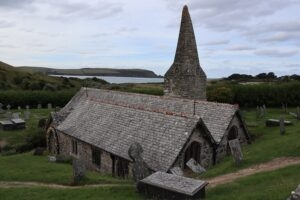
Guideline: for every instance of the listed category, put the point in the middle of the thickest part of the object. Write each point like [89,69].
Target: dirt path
[264,167]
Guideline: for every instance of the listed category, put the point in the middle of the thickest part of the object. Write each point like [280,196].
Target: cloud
[66,10]
[6,24]
[240,48]
[15,4]
[276,53]
[213,43]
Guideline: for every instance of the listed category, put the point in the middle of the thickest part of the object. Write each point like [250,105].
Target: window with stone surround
[74,147]
[96,156]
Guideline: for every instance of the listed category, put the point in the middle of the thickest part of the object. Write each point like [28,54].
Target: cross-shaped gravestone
[236,150]
[8,107]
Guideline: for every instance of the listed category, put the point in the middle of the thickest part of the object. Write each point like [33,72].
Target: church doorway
[193,151]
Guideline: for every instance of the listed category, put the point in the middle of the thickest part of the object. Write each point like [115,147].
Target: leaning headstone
[140,169]
[236,150]
[78,171]
[195,166]
[39,106]
[49,106]
[281,125]
[176,171]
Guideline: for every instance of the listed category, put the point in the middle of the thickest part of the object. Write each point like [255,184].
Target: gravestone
[51,158]
[195,166]
[140,169]
[19,107]
[8,107]
[39,106]
[15,115]
[27,114]
[281,125]
[276,122]
[262,112]
[176,171]
[27,107]
[78,171]
[49,106]
[236,150]
[265,109]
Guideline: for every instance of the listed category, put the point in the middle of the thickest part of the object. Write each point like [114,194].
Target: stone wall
[223,148]
[84,152]
[206,155]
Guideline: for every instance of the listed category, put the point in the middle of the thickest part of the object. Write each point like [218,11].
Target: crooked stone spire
[185,78]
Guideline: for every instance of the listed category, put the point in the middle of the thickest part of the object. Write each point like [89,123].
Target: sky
[233,36]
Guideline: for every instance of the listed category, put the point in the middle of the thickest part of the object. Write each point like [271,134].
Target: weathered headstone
[51,158]
[15,115]
[264,109]
[262,112]
[140,169]
[39,106]
[236,150]
[19,107]
[27,107]
[8,107]
[195,166]
[27,114]
[49,106]
[281,125]
[79,169]
[177,171]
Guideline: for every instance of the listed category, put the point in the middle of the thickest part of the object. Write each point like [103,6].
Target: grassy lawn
[115,193]
[267,142]
[14,137]
[274,185]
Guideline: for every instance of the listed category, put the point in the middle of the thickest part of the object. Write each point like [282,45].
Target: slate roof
[175,183]
[113,120]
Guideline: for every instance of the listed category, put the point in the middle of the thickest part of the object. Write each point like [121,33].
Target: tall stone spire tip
[185,10]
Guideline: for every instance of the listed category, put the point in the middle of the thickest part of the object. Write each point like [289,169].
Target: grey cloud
[6,24]
[240,48]
[213,43]
[279,37]
[70,11]
[276,53]
[15,4]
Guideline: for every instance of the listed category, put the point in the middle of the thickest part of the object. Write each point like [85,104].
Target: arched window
[233,133]
[193,151]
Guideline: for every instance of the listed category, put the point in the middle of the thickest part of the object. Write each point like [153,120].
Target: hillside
[12,78]
[92,72]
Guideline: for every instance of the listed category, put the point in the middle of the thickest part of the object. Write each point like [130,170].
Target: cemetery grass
[271,185]
[267,143]
[16,137]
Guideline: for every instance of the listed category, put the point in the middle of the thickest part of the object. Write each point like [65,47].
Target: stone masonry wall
[206,155]
[223,148]
[84,152]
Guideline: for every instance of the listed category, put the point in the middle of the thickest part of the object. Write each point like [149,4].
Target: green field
[267,144]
